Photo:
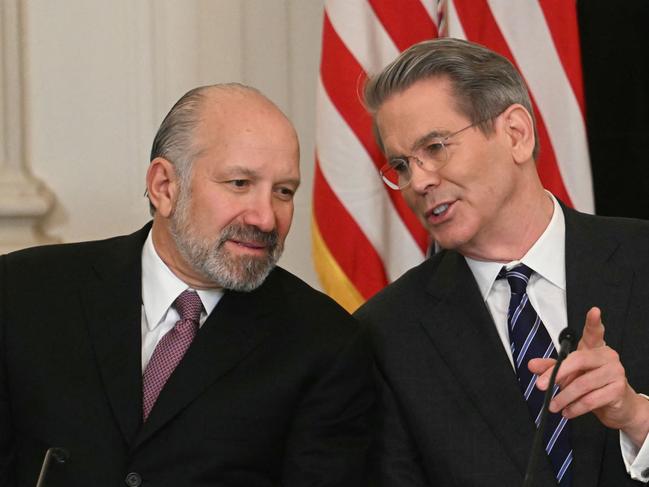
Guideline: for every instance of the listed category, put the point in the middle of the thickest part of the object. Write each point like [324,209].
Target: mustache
[248,233]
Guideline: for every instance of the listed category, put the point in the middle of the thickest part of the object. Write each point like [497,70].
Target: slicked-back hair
[175,139]
[483,82]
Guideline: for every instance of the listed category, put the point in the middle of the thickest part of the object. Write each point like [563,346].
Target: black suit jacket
[450,409]
[274,390]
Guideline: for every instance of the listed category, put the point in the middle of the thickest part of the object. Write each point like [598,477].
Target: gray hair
[484,83]
[174,140]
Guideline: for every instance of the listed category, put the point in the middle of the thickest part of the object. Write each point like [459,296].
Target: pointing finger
[593,336]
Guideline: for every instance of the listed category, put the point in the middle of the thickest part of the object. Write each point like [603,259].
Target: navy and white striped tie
[529,339]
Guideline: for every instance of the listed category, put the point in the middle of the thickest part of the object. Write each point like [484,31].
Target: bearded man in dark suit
[181,355]
[464,342]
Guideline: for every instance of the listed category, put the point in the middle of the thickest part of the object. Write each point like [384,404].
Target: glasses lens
[396,173]
[435,156]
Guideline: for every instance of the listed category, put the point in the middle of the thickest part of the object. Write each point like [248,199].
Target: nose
[423,179]
[261,213]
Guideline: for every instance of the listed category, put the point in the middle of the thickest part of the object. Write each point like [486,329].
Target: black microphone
[567,341]
[56,454]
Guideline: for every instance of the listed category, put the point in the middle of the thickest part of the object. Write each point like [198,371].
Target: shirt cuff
[636,460]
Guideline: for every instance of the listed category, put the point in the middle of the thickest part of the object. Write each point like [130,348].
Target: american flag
[364,236]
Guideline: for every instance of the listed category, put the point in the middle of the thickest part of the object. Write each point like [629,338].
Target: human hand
[592,379]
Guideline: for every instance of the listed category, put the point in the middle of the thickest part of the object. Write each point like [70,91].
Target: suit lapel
[112,306]
[238,324]
[457,319]
[593,278]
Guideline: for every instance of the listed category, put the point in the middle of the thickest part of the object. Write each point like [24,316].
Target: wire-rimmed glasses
[396,174]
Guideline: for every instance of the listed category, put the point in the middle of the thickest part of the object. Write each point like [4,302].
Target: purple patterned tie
[171,348]
[529,339]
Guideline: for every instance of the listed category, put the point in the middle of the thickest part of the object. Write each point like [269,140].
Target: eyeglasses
[396,174]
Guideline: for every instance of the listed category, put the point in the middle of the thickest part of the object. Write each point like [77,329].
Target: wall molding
[24,200]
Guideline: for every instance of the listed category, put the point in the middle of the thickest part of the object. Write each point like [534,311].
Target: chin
[451,240]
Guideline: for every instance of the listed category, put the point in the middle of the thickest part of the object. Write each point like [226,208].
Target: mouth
[255,247]
[438,210]
[439,213]
[249,240]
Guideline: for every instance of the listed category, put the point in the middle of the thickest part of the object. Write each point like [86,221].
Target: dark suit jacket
[273,391]
[450,409]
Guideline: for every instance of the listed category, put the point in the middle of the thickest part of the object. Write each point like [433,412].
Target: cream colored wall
[99,77]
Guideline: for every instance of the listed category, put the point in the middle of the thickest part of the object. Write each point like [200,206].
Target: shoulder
[69,259]
[308,308]
[619,226]
[398,299]
[629,236]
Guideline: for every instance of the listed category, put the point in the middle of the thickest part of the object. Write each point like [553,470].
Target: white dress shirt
[547,293]
[160,288]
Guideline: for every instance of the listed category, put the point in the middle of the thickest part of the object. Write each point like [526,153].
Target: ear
[162,185]
[520,130]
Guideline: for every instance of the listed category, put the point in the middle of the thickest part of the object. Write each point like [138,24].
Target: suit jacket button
[645,473]
[133,479]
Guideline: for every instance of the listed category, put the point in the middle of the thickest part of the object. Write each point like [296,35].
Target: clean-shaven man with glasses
[464,343]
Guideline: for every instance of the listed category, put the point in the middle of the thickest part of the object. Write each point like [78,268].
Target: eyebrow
[293,182]
[236,171]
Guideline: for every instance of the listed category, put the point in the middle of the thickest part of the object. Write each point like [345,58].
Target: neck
[520,224]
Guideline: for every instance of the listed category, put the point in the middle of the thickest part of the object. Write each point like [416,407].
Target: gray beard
[210,258]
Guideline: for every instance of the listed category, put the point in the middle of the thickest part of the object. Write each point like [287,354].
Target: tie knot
[189,306]
[518,277]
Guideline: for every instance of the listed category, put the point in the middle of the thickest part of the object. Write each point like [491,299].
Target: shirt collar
[546,257]
[160,287]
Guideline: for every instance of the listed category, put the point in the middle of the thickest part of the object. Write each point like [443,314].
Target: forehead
[246,130]
[427,105]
